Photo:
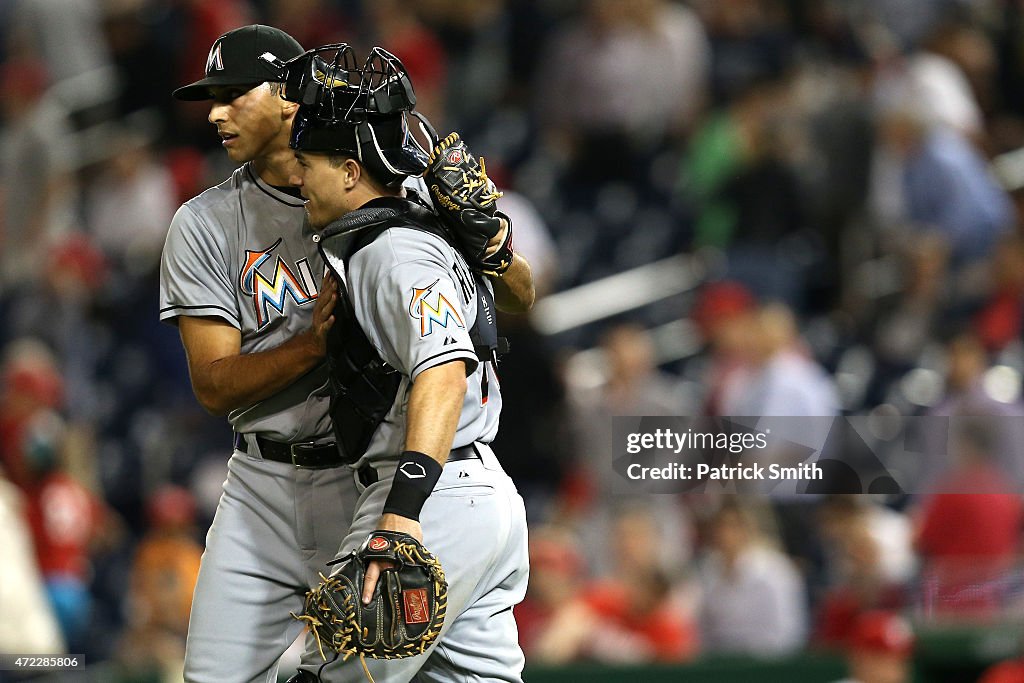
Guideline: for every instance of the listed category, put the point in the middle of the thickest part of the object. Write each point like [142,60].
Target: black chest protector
[363,385]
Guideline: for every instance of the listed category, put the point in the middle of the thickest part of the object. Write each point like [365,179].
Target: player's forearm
[239,381]
[514,291]
[435,404]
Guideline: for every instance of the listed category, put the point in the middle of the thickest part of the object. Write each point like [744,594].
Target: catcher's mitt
[466,200]
[406,613]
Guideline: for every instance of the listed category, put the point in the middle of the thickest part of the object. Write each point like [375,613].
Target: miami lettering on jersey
[273,293]
[432,308]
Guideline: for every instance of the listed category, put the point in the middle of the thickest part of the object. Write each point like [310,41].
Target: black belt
[315,456]
[368,475]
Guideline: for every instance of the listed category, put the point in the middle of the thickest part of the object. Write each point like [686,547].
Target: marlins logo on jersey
[432,308]
[274,292]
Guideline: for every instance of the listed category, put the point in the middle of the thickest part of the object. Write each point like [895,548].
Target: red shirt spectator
[840,609]
[646,618]
[982,523]
[64,517]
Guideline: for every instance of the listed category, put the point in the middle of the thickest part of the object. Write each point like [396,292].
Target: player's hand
[388,522]
[495,242]
[323,314]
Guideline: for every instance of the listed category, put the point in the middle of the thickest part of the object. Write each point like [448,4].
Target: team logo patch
[433,309]
[214,62]
[415,600]
[274,292]
[378,544]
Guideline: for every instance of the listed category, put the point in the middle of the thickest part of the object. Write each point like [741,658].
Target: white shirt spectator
[757,607]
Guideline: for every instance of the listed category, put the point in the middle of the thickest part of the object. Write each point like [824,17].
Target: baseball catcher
[405,615]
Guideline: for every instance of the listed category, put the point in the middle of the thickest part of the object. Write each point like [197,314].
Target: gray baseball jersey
[243,252]
[416,300]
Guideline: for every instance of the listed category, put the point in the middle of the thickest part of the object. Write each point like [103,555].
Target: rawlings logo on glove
[466,201]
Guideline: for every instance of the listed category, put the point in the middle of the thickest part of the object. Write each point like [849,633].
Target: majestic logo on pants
[432,308]
[274,292]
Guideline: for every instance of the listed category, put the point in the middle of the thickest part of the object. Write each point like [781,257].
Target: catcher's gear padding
[466,200]
[405,616]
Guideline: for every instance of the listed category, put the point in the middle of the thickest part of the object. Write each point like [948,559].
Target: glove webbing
[321,601]
[468,184]
[312,622]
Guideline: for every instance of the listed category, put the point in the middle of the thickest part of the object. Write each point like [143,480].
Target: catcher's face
[252,121]
[322,186]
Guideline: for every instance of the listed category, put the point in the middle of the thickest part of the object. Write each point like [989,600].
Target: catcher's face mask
[357,110]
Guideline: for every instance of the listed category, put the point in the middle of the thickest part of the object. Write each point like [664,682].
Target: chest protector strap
[363,385]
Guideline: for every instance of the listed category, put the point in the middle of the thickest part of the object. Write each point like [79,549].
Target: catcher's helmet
[357,110]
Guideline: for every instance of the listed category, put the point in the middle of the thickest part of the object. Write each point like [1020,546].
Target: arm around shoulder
[514,291]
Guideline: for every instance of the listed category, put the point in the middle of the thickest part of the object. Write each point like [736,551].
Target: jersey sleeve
[419,319]
[194,272]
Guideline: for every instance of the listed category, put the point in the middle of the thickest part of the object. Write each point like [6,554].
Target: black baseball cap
[248,55]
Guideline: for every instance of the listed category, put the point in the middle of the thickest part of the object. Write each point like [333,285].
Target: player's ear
[351,173]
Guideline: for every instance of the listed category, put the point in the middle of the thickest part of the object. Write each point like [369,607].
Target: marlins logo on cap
[214,62]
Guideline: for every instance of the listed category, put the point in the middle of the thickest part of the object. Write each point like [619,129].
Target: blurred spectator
[722,313]
[902,324]
[969,530]
[621,79]
[971,50]
[476,39]
[869,566]
[633,386]
[30,384]
[27,622]
[59,311]
[630,384]
[37,191]
[750,42]
[141,41]
[747,198]
[753,600]
[557,574]
[163,578]
[967,397]
[130,204]
[945,182]
[395,25]
[632,615]
[66,519]
[66,36]
[879,649]
[778,378]
[1001,318]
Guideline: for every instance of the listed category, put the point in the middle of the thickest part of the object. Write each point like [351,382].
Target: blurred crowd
[845,173]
